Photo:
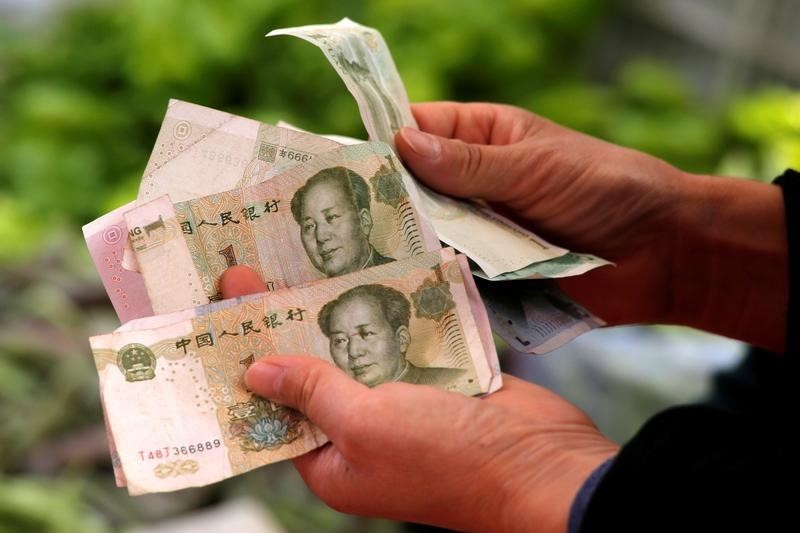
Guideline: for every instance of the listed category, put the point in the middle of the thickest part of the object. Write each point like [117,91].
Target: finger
[322,392]
[477,123]
[240,280]
[453,120]
[464,170]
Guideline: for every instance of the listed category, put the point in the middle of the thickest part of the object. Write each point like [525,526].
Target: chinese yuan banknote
[106,239]
[569,264]
[177,408]
[345,210]
[199,151]
[534,316]
[361,58]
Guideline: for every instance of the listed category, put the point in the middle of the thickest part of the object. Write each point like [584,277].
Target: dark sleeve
[699,468]
[790,183]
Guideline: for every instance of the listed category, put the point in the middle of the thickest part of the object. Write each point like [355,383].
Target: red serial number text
[167,451]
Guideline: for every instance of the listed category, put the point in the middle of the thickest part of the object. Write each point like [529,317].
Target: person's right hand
[682,243]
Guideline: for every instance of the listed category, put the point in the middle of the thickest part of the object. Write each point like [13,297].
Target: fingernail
[423,144]
[262,378]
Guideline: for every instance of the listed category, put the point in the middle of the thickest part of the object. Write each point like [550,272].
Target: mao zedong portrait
[333,211]
[367,330]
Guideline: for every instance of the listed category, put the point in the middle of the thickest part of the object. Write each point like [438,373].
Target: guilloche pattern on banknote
[178,409]
[346,210]
[201,151]
[106,238]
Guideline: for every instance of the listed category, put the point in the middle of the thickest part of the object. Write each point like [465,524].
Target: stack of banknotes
[349,246]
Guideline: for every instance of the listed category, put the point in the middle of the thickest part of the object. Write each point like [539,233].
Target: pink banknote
[106,239]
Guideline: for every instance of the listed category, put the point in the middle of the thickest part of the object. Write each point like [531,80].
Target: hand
[415,453]
[689,249]
[575,190]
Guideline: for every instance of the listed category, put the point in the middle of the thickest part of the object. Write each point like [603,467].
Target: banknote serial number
[300,157]
[221,157]
[169,451]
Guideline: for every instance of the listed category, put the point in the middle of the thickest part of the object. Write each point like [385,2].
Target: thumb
[461,169]
[314,387]
[240,280]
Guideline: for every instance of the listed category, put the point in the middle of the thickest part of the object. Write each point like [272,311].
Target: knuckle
[473,161]
[305,385]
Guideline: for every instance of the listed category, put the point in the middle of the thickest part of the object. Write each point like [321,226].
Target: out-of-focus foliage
[83,91]
[769,121]
[45,505]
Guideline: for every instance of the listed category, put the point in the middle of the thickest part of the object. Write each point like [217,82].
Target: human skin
[334,234]
[701,251]
[512,461]
[363,343]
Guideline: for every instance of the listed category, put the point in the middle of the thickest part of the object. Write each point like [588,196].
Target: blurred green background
[83,89]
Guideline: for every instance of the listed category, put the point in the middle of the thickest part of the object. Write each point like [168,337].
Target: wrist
[542,498]
[729,262]
[585,493]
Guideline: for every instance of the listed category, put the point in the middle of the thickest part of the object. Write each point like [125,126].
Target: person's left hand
[511,461]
